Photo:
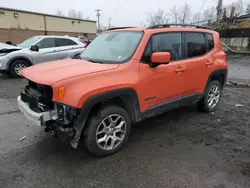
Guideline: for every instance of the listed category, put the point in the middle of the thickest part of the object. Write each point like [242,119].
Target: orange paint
[74,81]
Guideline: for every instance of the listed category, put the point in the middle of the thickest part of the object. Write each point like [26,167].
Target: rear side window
[47,43]
[210,41]
[196,44]
[64,42]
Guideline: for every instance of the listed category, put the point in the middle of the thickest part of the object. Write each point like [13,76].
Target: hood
[6,48]
[51,72]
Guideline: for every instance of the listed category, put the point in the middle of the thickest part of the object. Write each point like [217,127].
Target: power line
[202,5]
[119,6]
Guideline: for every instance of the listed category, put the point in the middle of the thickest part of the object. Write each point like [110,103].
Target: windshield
[113,47]
[29,42]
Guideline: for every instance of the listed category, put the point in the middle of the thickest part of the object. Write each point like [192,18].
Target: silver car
[37,49]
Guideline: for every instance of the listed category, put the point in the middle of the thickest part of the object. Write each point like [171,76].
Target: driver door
[163,84]
[47,51]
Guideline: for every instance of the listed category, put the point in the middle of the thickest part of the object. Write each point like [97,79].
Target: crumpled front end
[36,104]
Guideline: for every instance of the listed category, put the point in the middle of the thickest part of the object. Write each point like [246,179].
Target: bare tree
[196,18]
[248,9]
[238,7]
[184,13]
[174,14]
[59,13]
[79,15]
[209,14]
[158,17]
[72,13]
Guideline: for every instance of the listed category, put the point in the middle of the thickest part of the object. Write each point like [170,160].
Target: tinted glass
[64,42]
[47,43]
[210,41]
[196,44]
[168,42]
[112,47]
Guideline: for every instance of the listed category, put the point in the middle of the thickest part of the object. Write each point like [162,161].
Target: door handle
[209,62]
[179,70]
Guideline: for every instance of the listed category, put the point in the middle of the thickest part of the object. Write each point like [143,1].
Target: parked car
[37,49]
[84,40]
[124,77]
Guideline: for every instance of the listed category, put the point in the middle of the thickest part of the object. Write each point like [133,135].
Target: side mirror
[34,48]
[159,58]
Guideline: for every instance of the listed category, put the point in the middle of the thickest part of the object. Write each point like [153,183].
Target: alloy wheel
[213,96]
[19,67]
[111,132]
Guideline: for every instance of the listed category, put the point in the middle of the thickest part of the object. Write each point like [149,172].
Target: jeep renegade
[124,76]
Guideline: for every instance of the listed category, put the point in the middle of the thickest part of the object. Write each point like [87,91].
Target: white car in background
[37,49]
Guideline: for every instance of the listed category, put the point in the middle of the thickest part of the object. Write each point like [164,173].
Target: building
[18,25]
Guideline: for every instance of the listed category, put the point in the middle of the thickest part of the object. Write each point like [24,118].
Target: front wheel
[211,98]
[16,67]
[107,131]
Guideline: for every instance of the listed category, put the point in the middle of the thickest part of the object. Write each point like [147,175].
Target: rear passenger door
[199,64]
[65,47]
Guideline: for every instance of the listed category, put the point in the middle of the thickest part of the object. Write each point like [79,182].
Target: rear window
[210,41]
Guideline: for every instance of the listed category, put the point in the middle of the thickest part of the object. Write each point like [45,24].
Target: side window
[64,42]
[210,41]
[168,42]
[196,44]
[47,43]
[165,42]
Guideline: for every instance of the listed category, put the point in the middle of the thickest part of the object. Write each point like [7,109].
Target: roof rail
[179,25]
[114,28]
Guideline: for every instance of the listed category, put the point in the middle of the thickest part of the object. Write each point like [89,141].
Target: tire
[14,65]
[96,123]
[203,104]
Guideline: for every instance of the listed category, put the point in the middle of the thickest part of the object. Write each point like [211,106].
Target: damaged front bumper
[55,120]
[37,118]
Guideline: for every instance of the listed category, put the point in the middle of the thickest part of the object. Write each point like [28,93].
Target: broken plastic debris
[21,139]
[239,105]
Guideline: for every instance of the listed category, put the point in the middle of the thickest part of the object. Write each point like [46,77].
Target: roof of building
[39,13]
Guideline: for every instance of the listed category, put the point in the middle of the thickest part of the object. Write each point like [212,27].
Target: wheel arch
[220,75]
[126,98]
[18,58]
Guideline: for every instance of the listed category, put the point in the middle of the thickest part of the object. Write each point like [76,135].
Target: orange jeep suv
[124,76]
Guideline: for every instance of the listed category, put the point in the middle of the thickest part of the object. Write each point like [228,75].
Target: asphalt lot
[182,148]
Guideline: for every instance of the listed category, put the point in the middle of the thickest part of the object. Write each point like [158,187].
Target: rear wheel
[108,131]
[211,98]
[16,67]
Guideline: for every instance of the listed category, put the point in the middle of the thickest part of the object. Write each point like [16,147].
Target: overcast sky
[122,12]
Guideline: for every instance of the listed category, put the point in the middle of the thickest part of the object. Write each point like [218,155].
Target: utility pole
[219,11]
[109,23]
[98,18]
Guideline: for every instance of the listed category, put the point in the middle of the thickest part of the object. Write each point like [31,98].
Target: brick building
[18,25]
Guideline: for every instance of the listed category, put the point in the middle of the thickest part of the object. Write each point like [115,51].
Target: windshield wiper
[95,61]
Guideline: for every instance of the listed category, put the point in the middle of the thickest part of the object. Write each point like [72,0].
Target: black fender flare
[18,58]
[128,95]
[216,73]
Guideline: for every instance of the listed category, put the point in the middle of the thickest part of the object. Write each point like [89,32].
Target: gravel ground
[181,148]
